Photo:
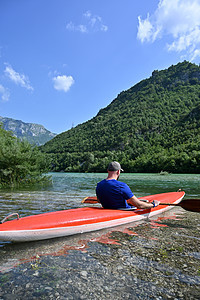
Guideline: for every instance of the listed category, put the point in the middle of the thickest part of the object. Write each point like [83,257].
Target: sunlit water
[155,259]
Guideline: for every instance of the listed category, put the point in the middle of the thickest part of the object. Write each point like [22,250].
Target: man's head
[114,166]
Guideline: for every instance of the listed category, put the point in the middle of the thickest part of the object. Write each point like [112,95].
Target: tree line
[20,162]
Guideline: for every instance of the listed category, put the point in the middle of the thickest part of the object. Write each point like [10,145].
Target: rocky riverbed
[155,259]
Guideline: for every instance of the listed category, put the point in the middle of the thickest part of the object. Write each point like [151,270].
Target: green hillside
[153,126]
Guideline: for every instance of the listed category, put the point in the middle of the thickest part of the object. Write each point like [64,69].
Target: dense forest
[20,162]
[153,126]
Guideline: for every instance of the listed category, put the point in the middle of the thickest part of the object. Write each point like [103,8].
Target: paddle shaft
[173,204]
[187,204]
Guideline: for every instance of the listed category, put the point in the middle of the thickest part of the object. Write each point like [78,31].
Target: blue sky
[61,61]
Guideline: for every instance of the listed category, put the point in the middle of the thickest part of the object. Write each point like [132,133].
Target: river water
[153,259]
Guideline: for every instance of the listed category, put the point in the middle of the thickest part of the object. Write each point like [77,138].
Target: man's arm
[140,204]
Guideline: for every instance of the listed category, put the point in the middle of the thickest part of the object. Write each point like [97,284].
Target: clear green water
[156,259]
[69,189]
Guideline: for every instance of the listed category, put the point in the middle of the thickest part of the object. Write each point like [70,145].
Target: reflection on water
[154,259]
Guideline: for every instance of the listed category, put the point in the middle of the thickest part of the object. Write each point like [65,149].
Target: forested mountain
[153,126]
[33,133]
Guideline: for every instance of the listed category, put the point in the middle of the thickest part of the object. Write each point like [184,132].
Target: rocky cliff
[34,133]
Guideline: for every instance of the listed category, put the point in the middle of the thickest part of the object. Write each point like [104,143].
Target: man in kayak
[114,194]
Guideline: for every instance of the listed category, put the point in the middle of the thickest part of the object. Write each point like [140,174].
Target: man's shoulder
[120,184]
[112,182]
[123,184]
[101,182]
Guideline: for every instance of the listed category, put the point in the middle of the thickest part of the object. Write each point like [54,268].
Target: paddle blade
[91,200]
[190,204]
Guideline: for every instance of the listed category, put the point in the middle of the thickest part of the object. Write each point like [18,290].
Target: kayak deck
[79,220]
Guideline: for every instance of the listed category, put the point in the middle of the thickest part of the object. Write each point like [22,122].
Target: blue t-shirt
[113,194]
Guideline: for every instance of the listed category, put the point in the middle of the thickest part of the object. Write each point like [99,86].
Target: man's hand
[143,205]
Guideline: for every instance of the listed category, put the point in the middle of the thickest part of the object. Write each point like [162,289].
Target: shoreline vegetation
[21,164]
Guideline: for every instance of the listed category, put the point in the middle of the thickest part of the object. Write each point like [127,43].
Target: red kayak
[79,220]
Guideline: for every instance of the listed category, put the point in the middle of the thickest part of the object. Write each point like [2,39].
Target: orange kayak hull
[79,220]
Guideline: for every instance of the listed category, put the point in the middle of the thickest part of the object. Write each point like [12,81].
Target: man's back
[113,194]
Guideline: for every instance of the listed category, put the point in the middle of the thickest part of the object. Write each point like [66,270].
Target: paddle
[187,204]
[91,200]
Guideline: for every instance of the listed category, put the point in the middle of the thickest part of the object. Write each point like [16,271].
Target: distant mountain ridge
[33,133]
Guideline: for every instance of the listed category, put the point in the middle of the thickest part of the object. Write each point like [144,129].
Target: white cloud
[63,83]
[91,23]
[19,79]
[195,54]
[87,14]
[72,27]
[4,93]
[178,20]
[144,29]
